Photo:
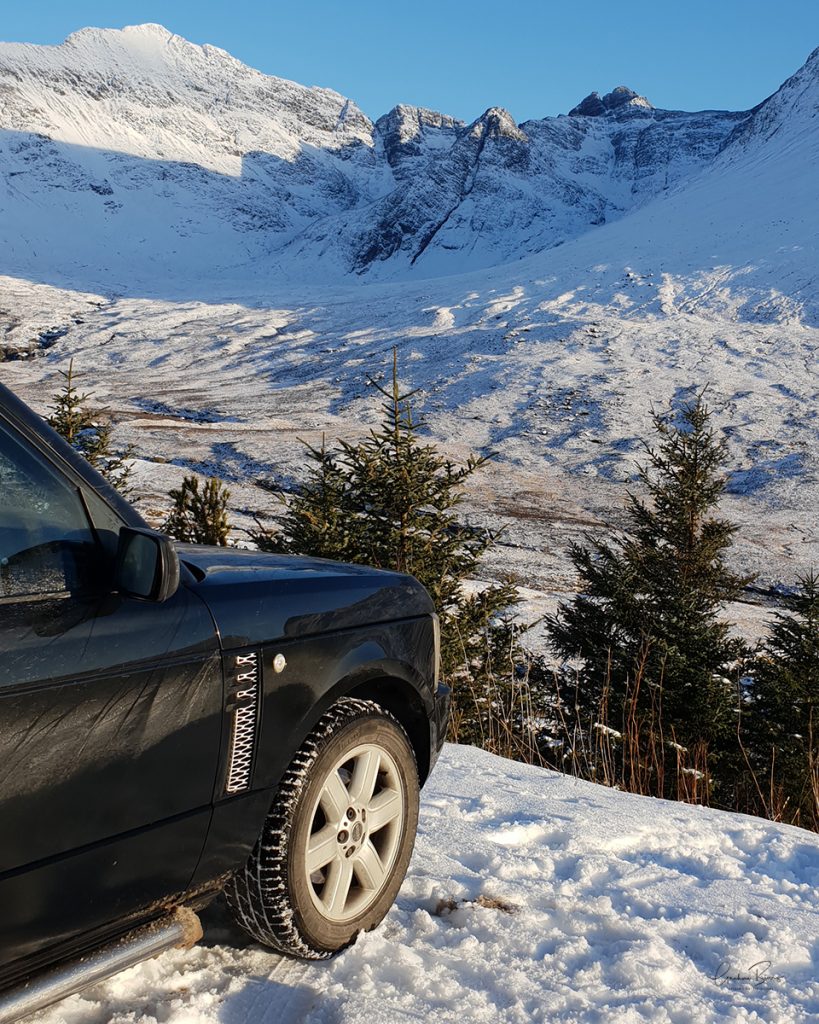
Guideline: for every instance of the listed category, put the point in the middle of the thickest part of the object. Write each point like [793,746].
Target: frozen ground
[560,389]
[531,897]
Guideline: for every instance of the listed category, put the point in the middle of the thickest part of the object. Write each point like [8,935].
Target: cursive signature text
[756,975]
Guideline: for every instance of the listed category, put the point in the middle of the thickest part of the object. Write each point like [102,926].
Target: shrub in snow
[89,433]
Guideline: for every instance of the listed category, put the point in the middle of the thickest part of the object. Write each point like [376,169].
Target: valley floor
[531,897]
[558,381]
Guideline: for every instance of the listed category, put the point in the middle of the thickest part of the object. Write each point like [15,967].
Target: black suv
[176,721]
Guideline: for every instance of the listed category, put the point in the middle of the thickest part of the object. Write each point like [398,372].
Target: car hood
[256,597]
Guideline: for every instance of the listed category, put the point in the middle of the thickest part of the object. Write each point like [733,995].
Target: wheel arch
[322,671]
[403,701]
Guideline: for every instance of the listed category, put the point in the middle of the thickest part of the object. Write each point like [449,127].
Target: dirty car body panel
[141,742]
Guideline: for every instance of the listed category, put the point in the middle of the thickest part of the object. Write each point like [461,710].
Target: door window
[46,543]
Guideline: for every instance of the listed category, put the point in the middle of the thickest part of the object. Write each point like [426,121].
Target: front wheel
[337,841]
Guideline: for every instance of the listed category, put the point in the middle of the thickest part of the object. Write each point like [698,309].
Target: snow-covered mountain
[234,254]
[145,147]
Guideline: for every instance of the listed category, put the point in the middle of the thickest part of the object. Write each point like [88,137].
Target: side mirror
[147,565]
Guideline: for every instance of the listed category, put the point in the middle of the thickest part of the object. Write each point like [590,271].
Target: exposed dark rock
[405,129]
[595,105]
[591,106]
[497,123]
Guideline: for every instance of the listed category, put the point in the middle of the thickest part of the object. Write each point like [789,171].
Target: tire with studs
[337,841]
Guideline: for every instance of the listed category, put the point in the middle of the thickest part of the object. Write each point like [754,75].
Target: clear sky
[534,58]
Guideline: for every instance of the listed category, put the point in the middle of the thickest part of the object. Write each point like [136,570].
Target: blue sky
[534,58]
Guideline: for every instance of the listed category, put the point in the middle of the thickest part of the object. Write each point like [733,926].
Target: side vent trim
[243,708]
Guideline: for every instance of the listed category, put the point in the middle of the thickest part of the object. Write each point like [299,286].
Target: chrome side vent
[243,706]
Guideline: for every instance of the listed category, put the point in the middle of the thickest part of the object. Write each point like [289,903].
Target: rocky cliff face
[121,150]
[470,196]
[620,101]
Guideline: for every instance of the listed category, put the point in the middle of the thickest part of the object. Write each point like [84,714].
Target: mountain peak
[498,123]
[148,28]
[149,41]
[150,31]
[408,121]
[621,97]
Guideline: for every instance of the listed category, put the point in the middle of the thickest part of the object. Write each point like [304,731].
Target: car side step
[182,929]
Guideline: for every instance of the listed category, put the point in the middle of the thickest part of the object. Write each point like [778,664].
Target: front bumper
[438,723]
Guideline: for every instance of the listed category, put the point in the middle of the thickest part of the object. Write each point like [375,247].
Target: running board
[180,930]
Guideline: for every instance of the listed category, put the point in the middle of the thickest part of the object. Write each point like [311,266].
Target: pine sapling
[90,433]
[199,515]
[648,629]
[392,500]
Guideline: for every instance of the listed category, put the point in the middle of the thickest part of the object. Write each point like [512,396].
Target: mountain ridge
[299,178]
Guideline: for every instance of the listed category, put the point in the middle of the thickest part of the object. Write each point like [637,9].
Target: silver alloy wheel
[355,832]
[273,897]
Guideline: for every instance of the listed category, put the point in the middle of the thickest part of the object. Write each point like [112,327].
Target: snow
[227,256]
[531,897]
[539,363]
[206,242]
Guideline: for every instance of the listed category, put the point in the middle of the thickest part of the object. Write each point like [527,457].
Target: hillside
[531,897]
[227,256]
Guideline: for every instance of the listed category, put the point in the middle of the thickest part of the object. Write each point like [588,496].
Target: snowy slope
[121,149]
[531,897]
[222,314]
[148,93]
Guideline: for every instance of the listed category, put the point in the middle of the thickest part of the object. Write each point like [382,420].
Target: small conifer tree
[391,500]
[89,433]
[783,719]
[646,632]
[199,515]
[315,518]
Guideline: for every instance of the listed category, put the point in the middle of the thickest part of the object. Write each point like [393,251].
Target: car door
[110,717]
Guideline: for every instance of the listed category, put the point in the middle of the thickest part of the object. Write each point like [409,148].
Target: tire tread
[257,894]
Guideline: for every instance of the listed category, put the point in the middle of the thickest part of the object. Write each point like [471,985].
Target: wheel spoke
[365,773]
[369,868]
[383,808]
[321,848]
[337,887]
[334,799]
[357,832]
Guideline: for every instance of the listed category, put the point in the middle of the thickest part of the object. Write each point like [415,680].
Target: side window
[46,543]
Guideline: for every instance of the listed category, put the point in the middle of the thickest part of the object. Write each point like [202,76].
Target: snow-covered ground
[207,243]
[554,364]
[184,228]
[531,897]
